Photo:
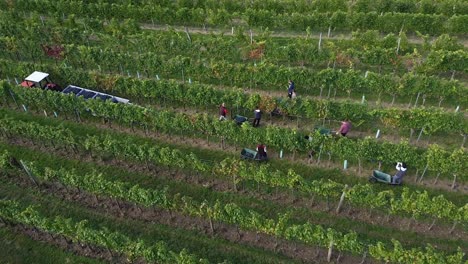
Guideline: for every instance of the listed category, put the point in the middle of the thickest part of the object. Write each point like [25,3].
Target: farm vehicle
[41,80]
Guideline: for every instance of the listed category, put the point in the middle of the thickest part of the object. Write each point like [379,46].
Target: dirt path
[66,244]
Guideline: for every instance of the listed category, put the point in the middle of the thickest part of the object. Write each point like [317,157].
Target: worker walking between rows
[291,89]
[222,112]
[258,116]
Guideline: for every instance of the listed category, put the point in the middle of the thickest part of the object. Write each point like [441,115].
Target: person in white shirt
[401,172]
[258,116]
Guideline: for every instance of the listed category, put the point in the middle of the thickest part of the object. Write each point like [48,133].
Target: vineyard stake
[453,227]
[424,172]
[188,35]
[330,250]
[437,178]
[320,42]
[454,181]
[377,134]
[341,199]
[13,96]
[363,257]
[420,133]
[28,172]
[398,47]
[320,154]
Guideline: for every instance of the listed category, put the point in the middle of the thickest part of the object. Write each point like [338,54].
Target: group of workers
[343,131]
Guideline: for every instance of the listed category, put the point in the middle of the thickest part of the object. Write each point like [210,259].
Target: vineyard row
[416,204]
[248,219]
[338,20]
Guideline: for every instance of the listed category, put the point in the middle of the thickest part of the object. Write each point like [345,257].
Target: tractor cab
[40,80]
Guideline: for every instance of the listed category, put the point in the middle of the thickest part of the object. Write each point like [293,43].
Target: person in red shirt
[262,152]
[345,127]
[222,112]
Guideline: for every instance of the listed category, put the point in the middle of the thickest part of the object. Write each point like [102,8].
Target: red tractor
[40,80]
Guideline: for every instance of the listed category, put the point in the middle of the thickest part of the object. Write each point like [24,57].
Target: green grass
[19,248]
[214,249]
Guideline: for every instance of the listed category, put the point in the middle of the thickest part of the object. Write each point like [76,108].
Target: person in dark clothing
[257,116]
[222,112]
[401,172]
[291,88]
[312,152]
[262,152]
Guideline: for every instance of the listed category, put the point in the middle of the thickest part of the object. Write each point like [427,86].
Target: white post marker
[45,113]
[16,80]
[138,74]
[190,80]
[345,165]
[320,42]
[367,73]
[55,114]
[232,30]
[363,99]
[25,109]
[420,133]
[157,77]
[281,154]
[377,134]
[398,47]
[456,109]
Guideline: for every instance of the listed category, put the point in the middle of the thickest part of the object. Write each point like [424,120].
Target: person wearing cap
[401,172]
